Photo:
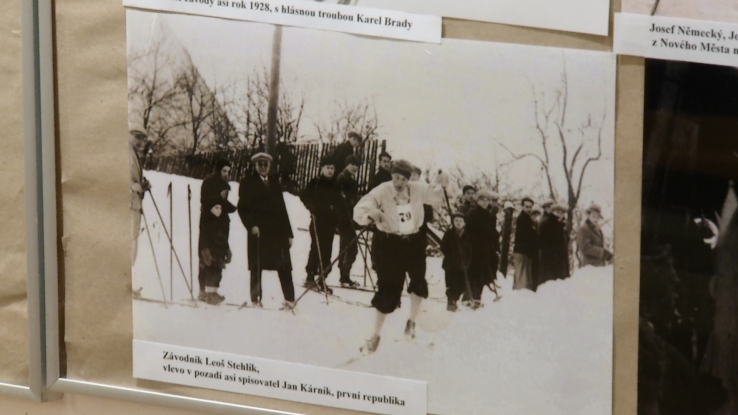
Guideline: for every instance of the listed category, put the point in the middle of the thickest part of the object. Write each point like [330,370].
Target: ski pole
[189,222]
[171,246]
[332,263]
[171,243]
[320,257]
[156,264]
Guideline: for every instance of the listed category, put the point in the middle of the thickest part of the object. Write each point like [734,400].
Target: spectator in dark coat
[213,249]
[383,174]
[345,149]
[553,243]
[590,242]
[349,191]
[525,247]
[214,190]
[322,198]
[264,214]
[485,241]
[457,254]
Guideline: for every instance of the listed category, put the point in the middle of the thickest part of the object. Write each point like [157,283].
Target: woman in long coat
[553,245]
[264,214]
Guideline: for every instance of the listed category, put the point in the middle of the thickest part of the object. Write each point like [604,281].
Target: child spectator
[214,250]
[457,253]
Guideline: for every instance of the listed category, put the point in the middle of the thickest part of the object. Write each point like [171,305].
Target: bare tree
[564,148]
[152,91]
[360,117]
[196,105]
[251,109]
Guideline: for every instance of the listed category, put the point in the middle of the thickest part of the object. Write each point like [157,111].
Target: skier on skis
[264,214]
[485,243]
[214,252]
[348,189]
[457,253]
[215,189]
[396,208]
[321,197]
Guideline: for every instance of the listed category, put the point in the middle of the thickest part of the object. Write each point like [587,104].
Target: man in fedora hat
[590,243]
[264,214]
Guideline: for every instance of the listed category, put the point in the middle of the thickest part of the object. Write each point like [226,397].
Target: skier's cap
[352,159]
[560,206]
[402,167]
[594,208]
[458,215]
[385,154]
[261,156]
[326,161]
[468,187]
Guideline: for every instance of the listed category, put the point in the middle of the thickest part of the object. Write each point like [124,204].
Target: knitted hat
[402,167]
[352,159]
[220,163]
[326,161]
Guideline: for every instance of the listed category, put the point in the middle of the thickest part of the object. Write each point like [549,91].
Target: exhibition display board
[95,286]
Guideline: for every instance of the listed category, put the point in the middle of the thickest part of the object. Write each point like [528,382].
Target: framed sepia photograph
[436,213]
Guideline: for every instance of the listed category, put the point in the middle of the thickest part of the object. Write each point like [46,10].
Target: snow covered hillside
[548,352]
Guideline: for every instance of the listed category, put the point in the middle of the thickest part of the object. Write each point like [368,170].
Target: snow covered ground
[548,352]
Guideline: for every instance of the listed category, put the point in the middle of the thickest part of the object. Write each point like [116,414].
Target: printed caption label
[281,380]
[309,14]
[676,39]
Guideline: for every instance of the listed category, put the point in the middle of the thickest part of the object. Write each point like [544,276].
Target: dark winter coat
[381,176]
[590,245]
[323,199]
[213,241]
[457,250]
[210,192]
[262,205]
[348,191]
[525,235]
[485,242]
[554,257]
[340,153]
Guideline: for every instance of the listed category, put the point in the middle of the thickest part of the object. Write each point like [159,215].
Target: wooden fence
[296,163]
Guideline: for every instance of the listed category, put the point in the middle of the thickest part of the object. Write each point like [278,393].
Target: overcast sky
[437,104]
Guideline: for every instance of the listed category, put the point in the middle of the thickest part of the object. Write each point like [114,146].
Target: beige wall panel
[13,305]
